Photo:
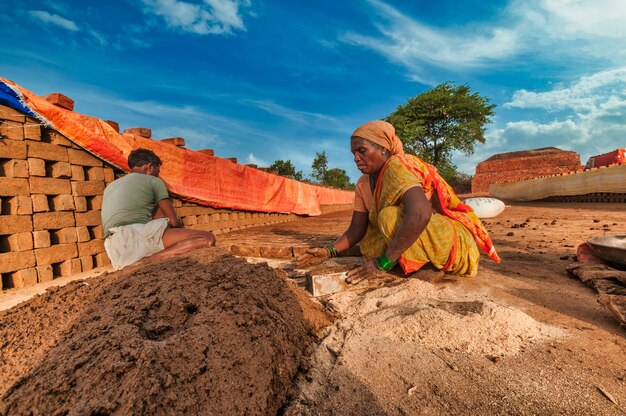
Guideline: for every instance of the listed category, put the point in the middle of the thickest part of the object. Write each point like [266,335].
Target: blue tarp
[9,98]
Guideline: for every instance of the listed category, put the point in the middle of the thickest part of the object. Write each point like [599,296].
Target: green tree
[319,167]
[337,178]
[445,118]
[287,169]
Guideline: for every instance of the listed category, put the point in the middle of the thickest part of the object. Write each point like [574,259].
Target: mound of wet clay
[207,333]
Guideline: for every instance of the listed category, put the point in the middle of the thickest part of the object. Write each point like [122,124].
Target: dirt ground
[232,337]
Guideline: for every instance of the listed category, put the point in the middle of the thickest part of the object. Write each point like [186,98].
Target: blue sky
[263,80]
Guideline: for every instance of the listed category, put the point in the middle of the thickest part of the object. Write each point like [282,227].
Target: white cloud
[584,95]
[413,44]
[53,19]
[212,17]
[304,117]
[548,30]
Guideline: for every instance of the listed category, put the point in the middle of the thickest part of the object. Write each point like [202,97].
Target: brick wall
[515,166]
[50,199]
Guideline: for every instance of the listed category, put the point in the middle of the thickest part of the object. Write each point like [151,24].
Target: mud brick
[80,204]
[176,141]
[97,231]
[13,261]
[14,168]
[36,167]
[81,157]
[62,203]
[85,188]
[101,259]
[61,170]
[96,202]
[8,113]
[139,131]
[113,124]
[276,252]
[40,203]
[44,273]
[10,149]
[241,215]
[177,202]
[11,130]
[190,220]
[82,233]
[56,253]
[20,242]
[56,138]
[78,172]
[109,175]
[22,278]
[88,218]
[53,220]
[41,239]
[246,251]
[232,159]
[209,152]
[15,224]
[94,173]
[86,263]
[13,186]
[48,151]
[70,267]
[32,130]
[18,205]
[91,248]
[67,235]
[203,219]
[49,186]
[60,100]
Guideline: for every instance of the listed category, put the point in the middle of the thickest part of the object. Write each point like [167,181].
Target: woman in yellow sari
[404,213]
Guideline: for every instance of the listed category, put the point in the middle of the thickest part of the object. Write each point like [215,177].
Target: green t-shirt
[131,200]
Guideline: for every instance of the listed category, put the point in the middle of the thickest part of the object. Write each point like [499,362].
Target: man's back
[131,200]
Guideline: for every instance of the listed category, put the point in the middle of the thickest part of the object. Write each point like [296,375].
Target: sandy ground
[521,338]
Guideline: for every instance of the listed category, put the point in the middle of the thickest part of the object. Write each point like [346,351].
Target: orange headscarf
[381,133]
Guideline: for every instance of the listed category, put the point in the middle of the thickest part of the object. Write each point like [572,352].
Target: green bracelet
[384,263]
[332,250]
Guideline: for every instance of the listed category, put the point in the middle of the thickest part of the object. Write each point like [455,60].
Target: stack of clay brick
[224,220]
[51,195]
[528,164]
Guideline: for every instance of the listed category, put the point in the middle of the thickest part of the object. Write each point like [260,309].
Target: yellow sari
[450,241]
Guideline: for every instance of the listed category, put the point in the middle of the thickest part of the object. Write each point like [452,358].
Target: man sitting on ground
[139,219]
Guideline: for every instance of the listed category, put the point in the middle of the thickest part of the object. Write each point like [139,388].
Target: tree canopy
[319,167]
[445,118]
[287,169]
[337,178]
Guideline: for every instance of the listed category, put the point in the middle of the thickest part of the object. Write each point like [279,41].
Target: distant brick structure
[526,164]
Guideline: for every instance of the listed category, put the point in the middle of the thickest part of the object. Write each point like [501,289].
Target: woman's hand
[312,257]
[368,270]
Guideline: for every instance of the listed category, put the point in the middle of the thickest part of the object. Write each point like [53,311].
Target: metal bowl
[611,248]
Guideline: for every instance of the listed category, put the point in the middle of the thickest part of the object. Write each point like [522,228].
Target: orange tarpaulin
[191,175]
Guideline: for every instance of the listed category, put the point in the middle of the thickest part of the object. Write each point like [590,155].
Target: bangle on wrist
[332,250]
[384,263]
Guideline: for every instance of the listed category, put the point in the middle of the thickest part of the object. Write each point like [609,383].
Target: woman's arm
[355,232]
[417,213]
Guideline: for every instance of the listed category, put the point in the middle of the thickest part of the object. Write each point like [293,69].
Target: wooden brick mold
[50,200]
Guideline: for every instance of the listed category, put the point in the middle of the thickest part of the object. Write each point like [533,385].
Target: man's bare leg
[180,240]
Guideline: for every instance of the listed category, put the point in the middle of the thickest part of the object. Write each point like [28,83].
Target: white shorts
[130,243]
